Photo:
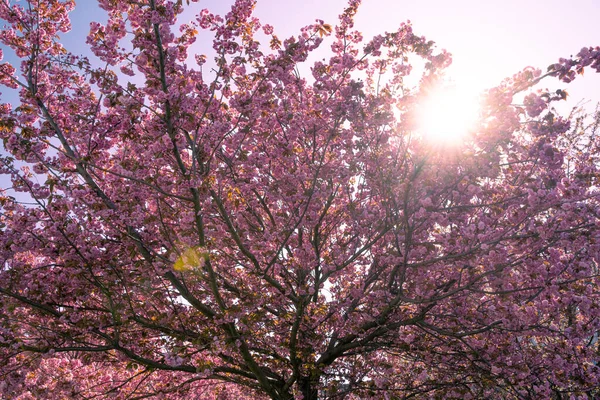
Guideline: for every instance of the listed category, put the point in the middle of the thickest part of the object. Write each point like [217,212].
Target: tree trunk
[308,389]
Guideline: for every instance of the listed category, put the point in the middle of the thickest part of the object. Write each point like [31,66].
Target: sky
[489,40]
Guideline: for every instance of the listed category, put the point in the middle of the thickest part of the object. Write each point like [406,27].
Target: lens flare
[446,116]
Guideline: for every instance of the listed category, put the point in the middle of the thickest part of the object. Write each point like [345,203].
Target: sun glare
[447,116]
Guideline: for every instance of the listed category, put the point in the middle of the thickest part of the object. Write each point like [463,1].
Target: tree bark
[308,388]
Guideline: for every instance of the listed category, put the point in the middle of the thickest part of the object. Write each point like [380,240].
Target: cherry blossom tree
[185,228]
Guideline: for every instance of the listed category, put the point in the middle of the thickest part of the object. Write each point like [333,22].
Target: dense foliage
[253,232]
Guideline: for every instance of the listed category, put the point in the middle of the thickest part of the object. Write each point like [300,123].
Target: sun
[447,115]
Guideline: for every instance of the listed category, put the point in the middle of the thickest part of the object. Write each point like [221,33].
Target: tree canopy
[234,228]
